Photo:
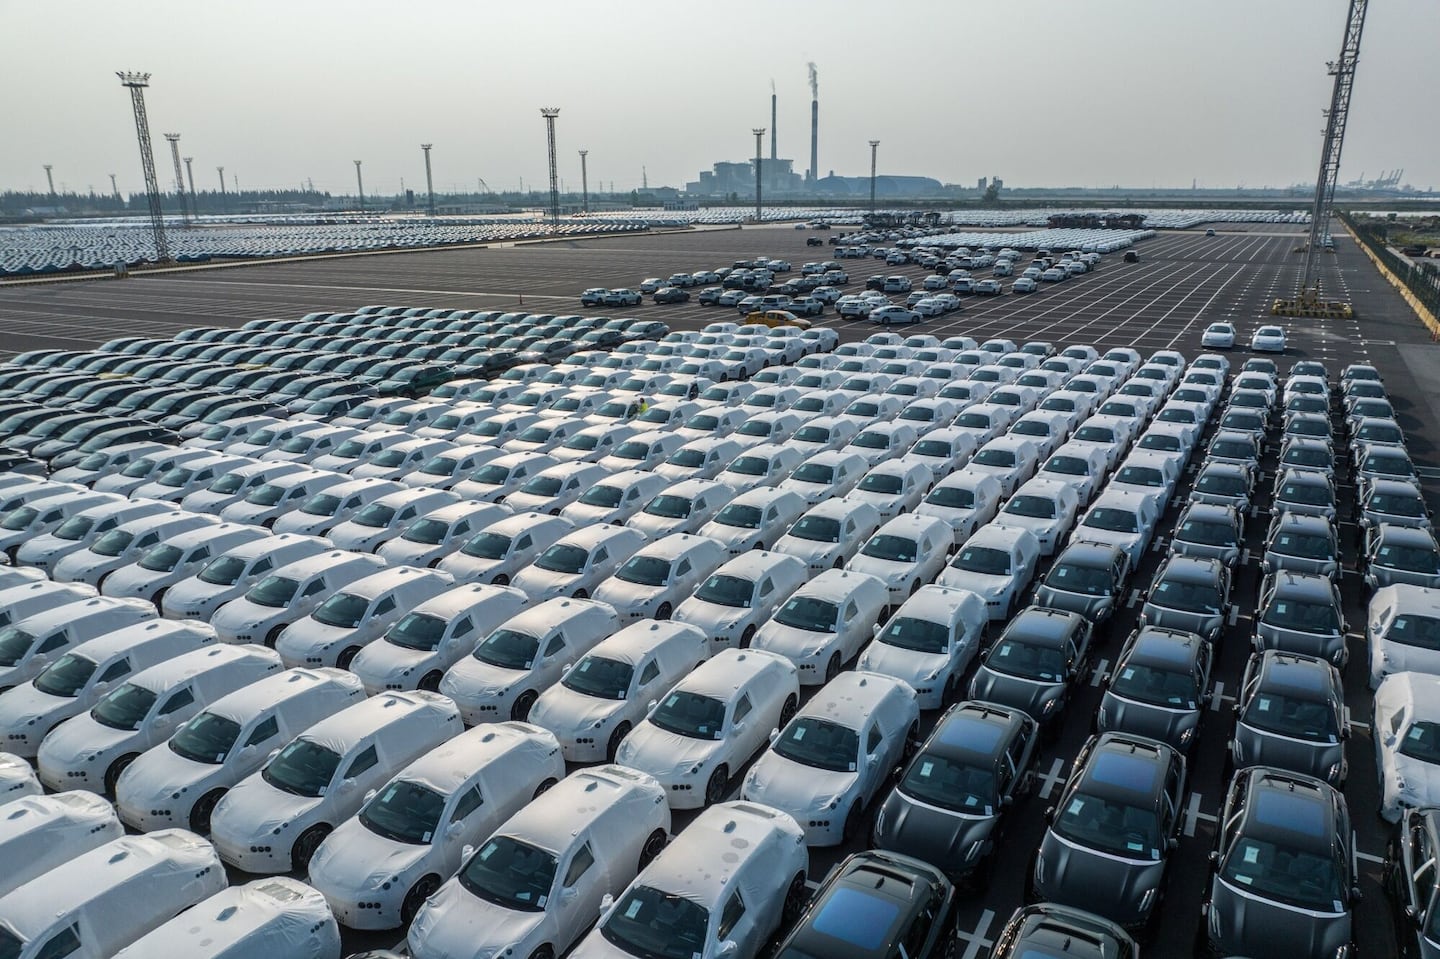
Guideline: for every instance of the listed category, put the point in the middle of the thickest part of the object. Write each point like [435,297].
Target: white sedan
[1218,336]
[888,315]
[1268,339]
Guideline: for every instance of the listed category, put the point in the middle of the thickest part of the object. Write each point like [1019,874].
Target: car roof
[454,762]
[730,669]
[1129,769]
[128,637]
[1301,676]
[279,687]
[758,562]
[1292,585]
[1164,647]
[321,562]
[702,862]
[853,695]
[1290,810]
[1085,553]
[1191,569]
[975,728]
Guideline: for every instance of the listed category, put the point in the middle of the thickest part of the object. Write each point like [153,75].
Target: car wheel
[273,637]
[521,710]
[787,711]
[112,775]
[543,788]
[654,845]
[543,952]
[304,849]
[416,897]
[613,746]
[200,812]
[832,668]
[347,657]
[664,611]
[715,787]
[746,637]
[430,682]
[501,580]
[581,594]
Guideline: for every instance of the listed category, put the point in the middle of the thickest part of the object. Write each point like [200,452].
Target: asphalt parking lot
[1184,281]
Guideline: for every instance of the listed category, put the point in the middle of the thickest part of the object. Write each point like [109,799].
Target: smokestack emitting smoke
[814,123]
[773,124]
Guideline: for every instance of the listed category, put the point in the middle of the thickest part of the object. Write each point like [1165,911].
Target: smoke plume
[814,82]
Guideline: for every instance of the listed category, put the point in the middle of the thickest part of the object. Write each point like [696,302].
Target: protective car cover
[275,918]
[38,833]
[17,779]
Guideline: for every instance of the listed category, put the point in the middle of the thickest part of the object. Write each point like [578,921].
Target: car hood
[1097,882]
[982,584]
[355,860]
[1006,690]
[454,924]
[907,664]
[475,680]
[24,703]
[381,662]
[1206,624]
[662,753]
[794,644]
[565,711]
[1261,928]
[254,809]
[159,773]
[1166,725]
[937,835]
[1314,759]
[135,581]
[1082,603]
[69,743]
[794,787]
[885,569]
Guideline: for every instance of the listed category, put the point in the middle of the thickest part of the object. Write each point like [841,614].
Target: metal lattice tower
[224,203]
[137,82]
[759,149]
[584,182]
[550,113]
[174,139]
[194,197]
[50,178]
[874,146]
[360,184]
[429,183]
[1343,70]
[114,187]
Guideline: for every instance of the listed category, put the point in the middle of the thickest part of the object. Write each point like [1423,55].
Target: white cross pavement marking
[1100,673]
[1194,815]
[1158,545]
[1366,857]
[1051,778]
[1233,615]
[1218,696]
[812,885]
[1355,723]
[976,940]
[1134,598]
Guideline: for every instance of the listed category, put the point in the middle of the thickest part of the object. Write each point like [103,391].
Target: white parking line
[1193,814]
[1217,696]
[1367,857]
[1101,671]
[975,941]
[1051,779]
[1233,615]
[1134,598]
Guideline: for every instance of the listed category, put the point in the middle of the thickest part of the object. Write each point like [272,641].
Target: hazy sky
[1085,92]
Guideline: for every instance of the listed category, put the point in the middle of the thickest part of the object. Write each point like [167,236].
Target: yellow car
[774,318]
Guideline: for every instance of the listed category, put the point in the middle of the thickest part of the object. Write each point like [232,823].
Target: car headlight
[1049,706]
[1147,900]
[1186,736]
[972,852]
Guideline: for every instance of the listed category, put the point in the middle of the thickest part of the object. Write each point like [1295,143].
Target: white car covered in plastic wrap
[824,623]
[229,575]
[288,594]
[524,656]
[30,644]
[38,833]
[740,596]
[77,533]
[754,517]
[178,783]
[905,553]
[930,642]
[274,820]
[711,723]
[177,559]
[357,614]
[272,918]
[437,534]
[536,885]
[829,534]
[378,868]
[106,898]
[660,575]
[997,564]
[578,562]
[17,779]
[499,551]
[683,507]
[830,761]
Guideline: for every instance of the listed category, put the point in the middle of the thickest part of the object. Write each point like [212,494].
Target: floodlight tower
[584,183]
[550,113]
[136,83]
[50,178]
[429,183]
[224,204]
[174,139]
[759,139]
[194,197]
[874,146]
[114,187]
[360,185]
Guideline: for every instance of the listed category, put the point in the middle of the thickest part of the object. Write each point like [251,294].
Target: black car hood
[1016,693]
[1143,719]
[1254,927]
[1109,887]
[937,836]
[1312,759]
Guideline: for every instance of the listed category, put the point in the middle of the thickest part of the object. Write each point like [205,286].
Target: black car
[951,801]
[876,282]
[1086,578]
[1111,834]
[416,380]
[872,906]
[671,294]
[1290,714]
[1160,686]
[1410,880]
[1045,930]
[814,241]
[1034,664]
[1283,879]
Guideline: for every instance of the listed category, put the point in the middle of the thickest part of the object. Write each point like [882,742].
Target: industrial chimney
[774,126]
[814,125]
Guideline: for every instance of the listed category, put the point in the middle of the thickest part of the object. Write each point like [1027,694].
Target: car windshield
[492,475]
[1109,825]
[138,469]
[124,708]
[657,925]
[1422,632]
[321,504]
[1314,494]
[1021,657]
[427,532]
[1422,741]
[1035,507]
[935,448]
[376,515]
[951,782]
[67,676]
[343,611]
[704,422]
[740,516]
[917,635]
[691,715]
[872,440]
[404,811]
[1391,504]
[810,614]
[1222,483]
[543,486]
[222,571]
[274,591]
[600,677]
[303,768]
[295,444]
[227,484]
[205,739]
[161,559]
[1290,875]
[510,873]
[984,560]
[819,473]
[1155,685]
[1233,449]
[1273,711]
[816,529]
[1302,616]
[14,643]
[1414,559]
[1095,434]
[1207,532]
[563,558]
[998,458]
[1069,465]
[420,631]
[888,483]
[487,546]
[1305,545]
[1114,520]
[18,519]
[93,462]
[508,649]
[669,506]
[952,497]
[1140,476]
[749,466]
[888,546]
[819,743]
[175,476]
[112,543]
[1083,578]
[1188,596]
[603,497]
[724,590]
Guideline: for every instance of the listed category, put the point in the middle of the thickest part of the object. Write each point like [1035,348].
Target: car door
[581,886]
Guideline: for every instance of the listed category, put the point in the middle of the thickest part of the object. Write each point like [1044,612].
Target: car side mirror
[40,660]
[102,687]
[607,902]
[1006,802]
[774,735]
[568,895]
[454,830]
[347,784]
[876,629]
[272,755]
[1390,741]
[160,723]
[565,669]
[1345,731]
[1049,814]
[727,948]
[1172,844]
[370,794]
[739,727]
[1214,857]
[466,851]
[1413,914]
